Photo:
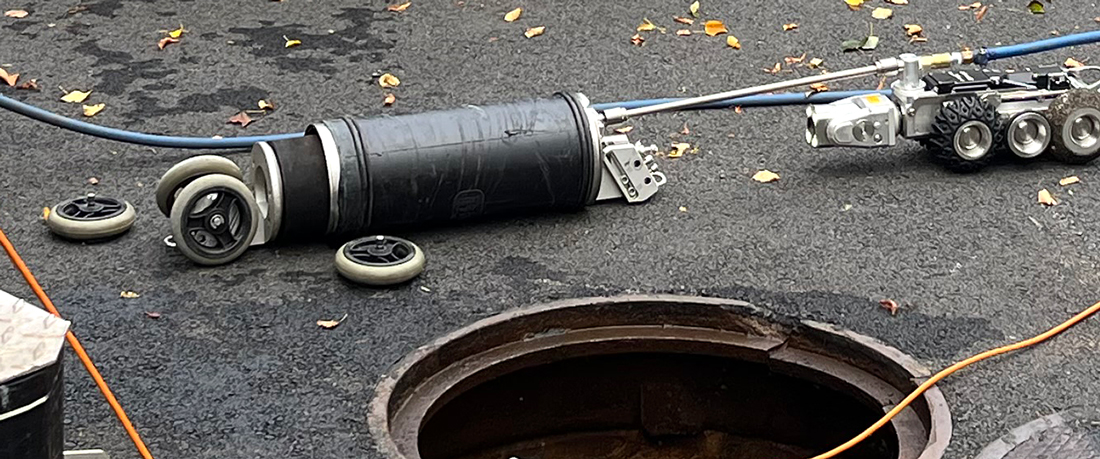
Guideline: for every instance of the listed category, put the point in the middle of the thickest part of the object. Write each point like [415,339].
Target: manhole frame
[889,364]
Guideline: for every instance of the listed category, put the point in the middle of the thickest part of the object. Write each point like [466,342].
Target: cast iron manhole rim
[415,387]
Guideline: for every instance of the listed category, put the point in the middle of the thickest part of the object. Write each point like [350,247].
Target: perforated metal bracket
[629,170]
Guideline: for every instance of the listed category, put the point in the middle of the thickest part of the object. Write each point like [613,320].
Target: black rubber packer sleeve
[305,187]
[37,433]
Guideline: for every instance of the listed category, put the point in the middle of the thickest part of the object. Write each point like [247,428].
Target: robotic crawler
[964,117]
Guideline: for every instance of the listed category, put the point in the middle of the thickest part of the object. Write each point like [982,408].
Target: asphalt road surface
[235,367]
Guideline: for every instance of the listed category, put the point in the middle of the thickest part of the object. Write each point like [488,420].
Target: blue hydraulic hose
[763,100]
[1023,49]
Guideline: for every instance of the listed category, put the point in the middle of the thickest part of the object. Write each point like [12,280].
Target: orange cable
[952,369]
[75,344]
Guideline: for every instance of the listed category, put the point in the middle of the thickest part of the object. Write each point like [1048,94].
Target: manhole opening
[633,378]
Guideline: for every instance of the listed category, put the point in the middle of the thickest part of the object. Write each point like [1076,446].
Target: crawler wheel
[1075,117]
[962,137]
[1028,135]
[185,171]
[214,219]
[379,260]
[91,217]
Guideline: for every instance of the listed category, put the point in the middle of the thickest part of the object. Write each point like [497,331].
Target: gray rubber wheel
[379,260]
[962,137]
[185,171]
[214,219]
[91,217]
[1075,118]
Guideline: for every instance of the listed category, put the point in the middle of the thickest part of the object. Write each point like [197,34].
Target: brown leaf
[685,130]
[1047,199]
[624,129]
[388,81]
[972,6]
[733,42]
[389,100]
[690,21]
[17,14]
[92,181]
[9,78]
[511,16]
[791,60]
[330,324]
[166,41]
[399,8]
[713,28]
[898,2]
[241,118]
[534,31]
[737,109]
[152,315]
[31,84]
[683,32]
[890,306]
[913,29]
[1073,63]
[774,70]
[819,87]
[1069,180]
[815,63]
[791,26]
[637,39]
[981,13]
[881,83]
[765,176]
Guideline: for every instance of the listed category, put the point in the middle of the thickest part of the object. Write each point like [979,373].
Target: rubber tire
[78,230]
[199,187]
[1061,110]
[941,144]
[185,171]
[380,276]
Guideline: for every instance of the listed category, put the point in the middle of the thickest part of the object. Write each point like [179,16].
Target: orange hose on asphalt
[75,344]
[953,368]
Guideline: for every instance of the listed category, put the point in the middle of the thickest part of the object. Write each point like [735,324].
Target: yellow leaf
[389,100]
[17,14]
[388,81]
[177,33]
[1072,63]
[291,43]
[882,13]
[534,31]
[399,8]
[678,149]
[1046,199]
[791,26]
[624,129]
[854,4]
[45,213]
[683,32]
[76,97]
[714,28]
[683,209]
[9,78]
[646,26]
[128,294]
[513,15]
[91,110]
[265,105]
[765,176]
[815,62]
[1069,180]
[913,30]
[694,9]
[733,42]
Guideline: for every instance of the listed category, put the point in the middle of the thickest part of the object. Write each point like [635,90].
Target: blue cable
[1023,49]
[762,100]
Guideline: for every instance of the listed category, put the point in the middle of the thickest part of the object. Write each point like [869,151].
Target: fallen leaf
[815,63]
[882,13]
[291,43]
[981,13]
[388,81]
[1072,63]
[128,294]
[791,60]
[683,32]
[166,41]
[1069,180]
[265,105]
[389,100]
[76,97]
[511,16]
[637,39]
[1036,7]
[241,118]
[917,40]
[694,9]
[91,110]
[913,30]
[624,129]
[330,324]
[733,42]
[178,32]
[152,315]
[1047,199]
[765,176]
[425,289]
[890,306]
[898,2]
[690,21]
[646,26]
[791,26]
[972,6]
[774,70]
[737,109]
[534,31]
[1097,19]
[45,213]
[854,4]
[685,130]
[819,87]
[683,209]
[399,8]
[92,181]
[678,149]
[17,14]
[870,43]
[713,28]
[31,84]
[9,78]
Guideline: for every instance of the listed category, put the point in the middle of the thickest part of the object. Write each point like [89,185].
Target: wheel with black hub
[214,219]
[379,260]
[185,171]
[1027,135]
[963,135]
[1075,121]
[91,217]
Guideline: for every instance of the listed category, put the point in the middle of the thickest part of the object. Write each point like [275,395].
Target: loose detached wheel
[91,217]
[185,171]
[379,260]
[962,137]
[1075,117]
[214,219]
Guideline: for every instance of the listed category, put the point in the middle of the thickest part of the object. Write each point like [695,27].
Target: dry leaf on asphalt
[624,129]
[791,60]
[9,78]
[898,2]
[178,32]
[854,4]
[92,181]
[972,6]
[330,324]
[683,32]
[882,13]
[76,97]
[637,39]
[166,41]
[890,306]
[265,105]
[737,109]
[774,70]
[678,149]
[819,87]
[646,26]
[31,84]
[389,100]
[815,63]
[685,130]
[45,213]
[17,14]
[290,42]
[152,315]
[241,118]
[1072,63]
[399,8]
[683,209]
[1036,7]
[913,30]
[1046,199]
[713,28]
[683,20]
[534,31]
[388,81]
[981,13]
[511,16]
[128,294]
[91,110]
[694,9]
[733,42]
[791,26]
[1069,180]
[765,176]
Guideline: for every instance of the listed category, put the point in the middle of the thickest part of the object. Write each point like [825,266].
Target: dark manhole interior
[652,377]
